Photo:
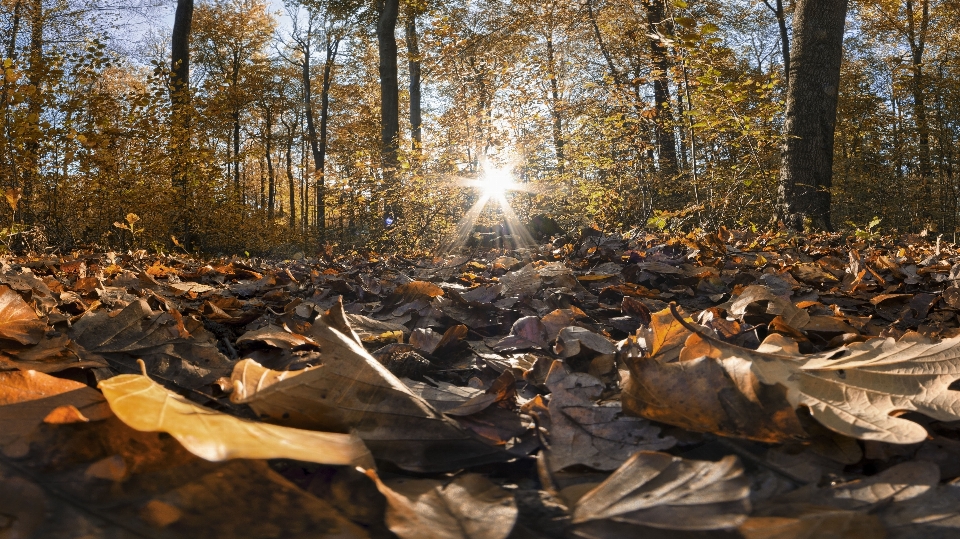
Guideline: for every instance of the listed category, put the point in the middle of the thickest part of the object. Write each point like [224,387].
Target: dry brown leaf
[146,406]
[722,396]
[469,507]
[18,321]
[762,299]
[856,389]
[274,336]
[350,389]
[662,491]
[585,432]
[665,337]
[156,337]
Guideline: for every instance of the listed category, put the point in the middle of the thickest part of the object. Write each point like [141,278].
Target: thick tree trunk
[180,88]
[666,142]
[806,167]
[180,101]
[389,86]
[413,52]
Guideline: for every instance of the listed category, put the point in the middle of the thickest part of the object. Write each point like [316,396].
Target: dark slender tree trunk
[806,169]
[389,86]
[917,33]
[271,177]
[14,30]
[666,141]
[290,181]
[413,52]
[555,106]
[35,76]
[320,157]
[614,72]
[781,16]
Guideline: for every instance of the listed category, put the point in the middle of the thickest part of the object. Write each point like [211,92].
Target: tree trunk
[555,106]
[666,143]
[917,34]
[271,177]
[320,156]
[806,167]
[35,76]
[781,16]
[180,114]
[389,86]
[290,182]
[14,30]
[413,52]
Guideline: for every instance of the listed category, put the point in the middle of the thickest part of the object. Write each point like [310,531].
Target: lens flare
[493,185]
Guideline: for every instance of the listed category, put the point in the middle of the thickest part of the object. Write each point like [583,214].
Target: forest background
[613,113]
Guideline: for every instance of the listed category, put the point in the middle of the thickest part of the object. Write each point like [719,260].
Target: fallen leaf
[146,406]
[18,321]
[585,432]
[469,507]
[156,337]
[663,491]
[350,389]
[760,299]
[700,393]
[854,390]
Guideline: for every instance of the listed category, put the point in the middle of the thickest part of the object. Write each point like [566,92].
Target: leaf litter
[726,384]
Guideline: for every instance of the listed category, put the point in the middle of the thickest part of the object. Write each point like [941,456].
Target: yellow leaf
[146,406]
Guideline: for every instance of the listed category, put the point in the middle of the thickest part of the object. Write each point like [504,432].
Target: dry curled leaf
[351,390]
[658,490]
[18,321]
[469,507]
[146,406]
[583,431]
[722,396]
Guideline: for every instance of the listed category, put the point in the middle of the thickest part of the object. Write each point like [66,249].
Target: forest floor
[731,384]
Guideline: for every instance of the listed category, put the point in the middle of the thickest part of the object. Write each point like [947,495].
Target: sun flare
[496,182]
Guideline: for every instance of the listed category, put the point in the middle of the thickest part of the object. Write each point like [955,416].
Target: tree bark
[320,157]
[917,34]
[806,167]
[290,181]
[389,86]
[413,52]
[666,143]
[180,102]
[271,177]
[35,76]
[558,141]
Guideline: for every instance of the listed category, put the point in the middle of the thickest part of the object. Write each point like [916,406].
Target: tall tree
[665,138]
[388,11]
[806,169]
[413,63]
